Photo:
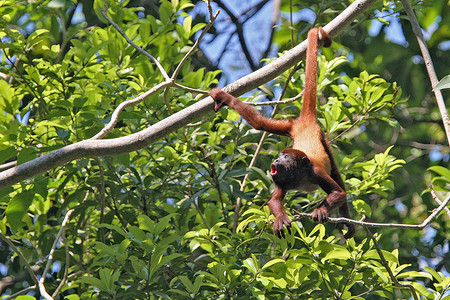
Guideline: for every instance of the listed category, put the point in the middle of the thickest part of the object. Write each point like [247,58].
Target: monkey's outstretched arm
[277,209]
[251,115]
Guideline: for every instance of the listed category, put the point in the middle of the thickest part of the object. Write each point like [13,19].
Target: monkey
[309,164]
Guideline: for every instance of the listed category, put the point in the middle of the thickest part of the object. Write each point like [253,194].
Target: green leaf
[95,282]
[337,253]
[7,153]
[137,233]
[25,297]
[6,98]
[26,154]
[373,254]
[198,283]
[165,12]
[415,274]
[17,208]
[187,283]
[273,262]
[252,264]
[419,288]
[445,172]
[362,207]
[261,175]
[444,83]
[380,273]
[435,274]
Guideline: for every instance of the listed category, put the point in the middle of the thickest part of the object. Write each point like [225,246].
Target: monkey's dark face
[288,168]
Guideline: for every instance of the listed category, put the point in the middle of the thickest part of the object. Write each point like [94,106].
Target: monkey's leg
[336,195]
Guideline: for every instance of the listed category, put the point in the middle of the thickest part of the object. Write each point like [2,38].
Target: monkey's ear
[305,161]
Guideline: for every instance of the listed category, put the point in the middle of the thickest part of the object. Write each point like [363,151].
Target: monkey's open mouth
[273,170]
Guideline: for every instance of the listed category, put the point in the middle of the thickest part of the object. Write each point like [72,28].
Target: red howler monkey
[310,163]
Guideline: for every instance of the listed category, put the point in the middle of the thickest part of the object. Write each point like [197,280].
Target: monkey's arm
[251,115]
[277,209]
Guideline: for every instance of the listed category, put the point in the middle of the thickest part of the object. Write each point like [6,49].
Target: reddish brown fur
[311,154]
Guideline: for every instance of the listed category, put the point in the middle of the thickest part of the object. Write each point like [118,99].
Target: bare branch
[275,17]
[388,269]
[429,64]
[50,255]
[197,42]
[290,100]
[436,198]
[24,260]
[123,105]
[421,226]
[8,165]
[240,33]
[139,49]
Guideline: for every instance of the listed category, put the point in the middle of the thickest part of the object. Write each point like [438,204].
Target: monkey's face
[287,169]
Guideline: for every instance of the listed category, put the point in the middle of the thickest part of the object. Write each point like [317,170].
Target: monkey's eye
[286,156]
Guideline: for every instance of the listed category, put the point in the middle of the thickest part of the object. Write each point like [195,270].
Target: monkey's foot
[320,215]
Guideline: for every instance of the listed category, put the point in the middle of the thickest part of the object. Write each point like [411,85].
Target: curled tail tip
[350,231]
[325,37]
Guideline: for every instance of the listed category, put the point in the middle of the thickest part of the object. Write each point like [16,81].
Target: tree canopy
[118,180]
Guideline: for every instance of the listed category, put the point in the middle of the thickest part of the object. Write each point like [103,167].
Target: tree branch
[388,269]
[129,41]
[24,260]
[429,65]
[421,226]
[240,32]
[141,139]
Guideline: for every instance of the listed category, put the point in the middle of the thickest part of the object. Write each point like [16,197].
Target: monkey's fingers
[278,226]
[280,233]
[320,215]
[218,106]
[218,95]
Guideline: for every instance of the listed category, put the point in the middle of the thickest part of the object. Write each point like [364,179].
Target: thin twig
[123,105]
[421,226]
[8,165]
[139,49]
[197,42]
[201,122]
[189,53]
[25,262]
[388,269]
[436,198]
[21,292]
[429,65]
[290,100]
[66,267]
[240,33]
[50,255]
[189,89]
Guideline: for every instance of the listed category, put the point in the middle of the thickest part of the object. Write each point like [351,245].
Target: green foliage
[160,222]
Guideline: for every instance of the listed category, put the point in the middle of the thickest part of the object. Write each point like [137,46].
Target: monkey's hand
[320,215]
[278,225]
[220,97]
